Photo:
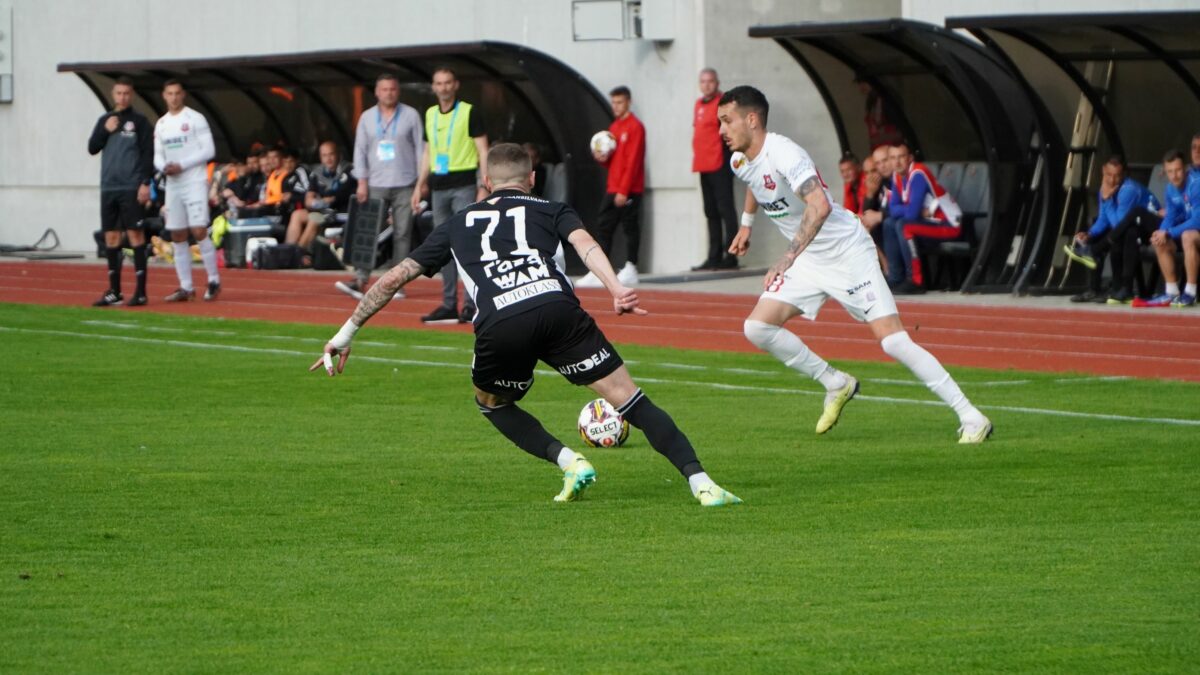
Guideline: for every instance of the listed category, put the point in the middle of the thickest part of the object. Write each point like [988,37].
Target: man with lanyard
[710,159]
[457,147]
[387,143]
[126,169]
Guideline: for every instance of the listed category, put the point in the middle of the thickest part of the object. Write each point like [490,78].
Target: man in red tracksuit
[623,195]
[710,159]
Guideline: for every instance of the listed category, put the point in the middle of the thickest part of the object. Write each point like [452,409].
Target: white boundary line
[711,385]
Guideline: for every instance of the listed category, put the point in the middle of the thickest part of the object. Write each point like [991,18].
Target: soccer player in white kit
[183,144]
[830,255]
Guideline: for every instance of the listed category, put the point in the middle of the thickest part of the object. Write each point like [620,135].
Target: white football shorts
[187,206]
[854,280]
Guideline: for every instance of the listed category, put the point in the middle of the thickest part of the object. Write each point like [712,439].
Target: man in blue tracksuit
[1180,229]
[1127,214]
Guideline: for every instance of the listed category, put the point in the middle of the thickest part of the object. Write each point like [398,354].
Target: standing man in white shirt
[387,143]
[829,255]
[183,144]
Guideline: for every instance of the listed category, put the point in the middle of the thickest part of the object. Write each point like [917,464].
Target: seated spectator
[540,170]
[296,183]
[246,190]
[853,183]
[1127,214]
[223,176]
[1180,228]
[274,198]
[330,187]
[871,198]
[919,208]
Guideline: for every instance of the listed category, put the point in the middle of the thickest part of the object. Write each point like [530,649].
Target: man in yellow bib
[456,146]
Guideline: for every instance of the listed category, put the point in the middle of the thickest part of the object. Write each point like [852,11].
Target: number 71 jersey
[504,247]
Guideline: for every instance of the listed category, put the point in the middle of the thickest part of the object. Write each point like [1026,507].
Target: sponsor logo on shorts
[587,364]
[768,182]
[526,292]
[514,384]
[860,287]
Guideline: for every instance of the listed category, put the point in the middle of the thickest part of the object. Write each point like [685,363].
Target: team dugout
[303,99]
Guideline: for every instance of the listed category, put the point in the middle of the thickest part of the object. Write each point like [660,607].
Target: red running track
[1160,343]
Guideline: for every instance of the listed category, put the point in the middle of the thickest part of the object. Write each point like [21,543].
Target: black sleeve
[475,126]
[346,189]
[145,150]
[100,136]
[566,221]
[433,254]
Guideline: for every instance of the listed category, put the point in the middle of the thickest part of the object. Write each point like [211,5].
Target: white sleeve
[160,158]
[793,163]
[205,148]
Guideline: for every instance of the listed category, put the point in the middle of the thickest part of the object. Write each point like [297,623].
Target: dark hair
[1174,155]
[444,69]
[172,82]
[620,91]
[749,98]
[903,142]
[387,76]
[1196,136]
[1116,160]
[125,81]
[849,157]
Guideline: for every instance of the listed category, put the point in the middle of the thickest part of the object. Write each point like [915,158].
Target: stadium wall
[48,180]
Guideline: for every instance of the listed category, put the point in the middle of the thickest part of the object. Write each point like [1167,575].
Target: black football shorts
[119,210]
[559,333]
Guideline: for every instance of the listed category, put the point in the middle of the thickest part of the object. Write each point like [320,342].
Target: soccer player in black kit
[528,312]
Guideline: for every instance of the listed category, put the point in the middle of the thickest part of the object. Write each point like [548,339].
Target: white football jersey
[184,139]
[780,168]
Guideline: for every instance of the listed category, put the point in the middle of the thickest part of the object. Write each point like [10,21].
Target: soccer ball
[603,144]
[600,426]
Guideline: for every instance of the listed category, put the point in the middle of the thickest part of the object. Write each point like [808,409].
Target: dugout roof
[1151,100]
[301,99]
[952,99]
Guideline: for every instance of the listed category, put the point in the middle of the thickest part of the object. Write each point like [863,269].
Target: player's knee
[488,402]
[897,344]
[760,333]
[1190,237]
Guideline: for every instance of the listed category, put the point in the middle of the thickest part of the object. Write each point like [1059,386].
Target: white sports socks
[900,346]
[699,481]
[788,348]
[1172,288]
[565,457]
[208,253]
[183,264]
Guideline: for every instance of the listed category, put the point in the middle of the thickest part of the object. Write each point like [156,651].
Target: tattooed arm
[381,293]
[375,299]
[816,210]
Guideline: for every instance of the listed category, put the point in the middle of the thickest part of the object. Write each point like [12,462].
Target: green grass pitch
[179,494]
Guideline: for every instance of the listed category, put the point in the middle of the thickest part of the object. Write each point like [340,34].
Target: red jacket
[627,165]
[854,194]
[708,150]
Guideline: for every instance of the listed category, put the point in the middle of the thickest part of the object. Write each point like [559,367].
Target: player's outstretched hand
[625,301]
[327,360]
[741,242]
